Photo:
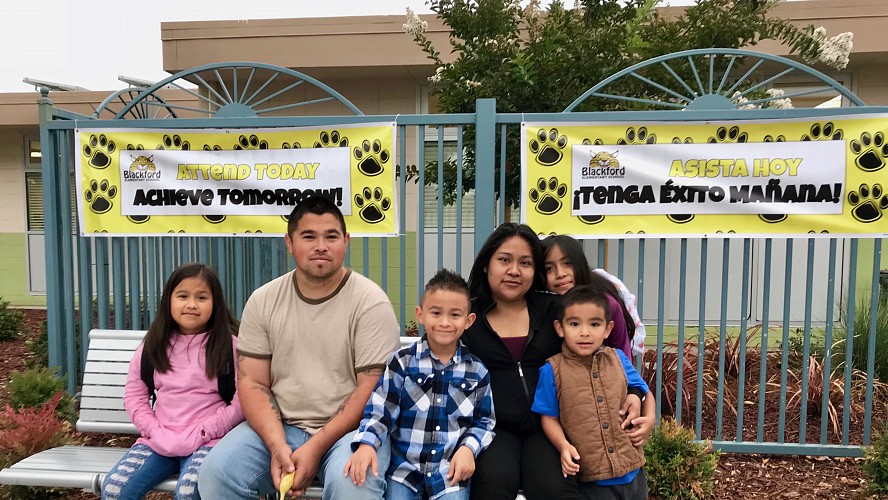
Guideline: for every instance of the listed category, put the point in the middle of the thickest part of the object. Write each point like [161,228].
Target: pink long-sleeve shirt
[189,412]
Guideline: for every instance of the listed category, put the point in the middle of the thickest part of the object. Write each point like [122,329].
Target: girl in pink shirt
[191,346]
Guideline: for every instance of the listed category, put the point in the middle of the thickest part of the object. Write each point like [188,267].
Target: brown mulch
[740,476]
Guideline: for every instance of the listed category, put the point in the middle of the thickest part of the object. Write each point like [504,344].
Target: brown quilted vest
[591,391]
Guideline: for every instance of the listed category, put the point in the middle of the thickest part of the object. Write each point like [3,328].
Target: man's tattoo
[271,400]
[241,373]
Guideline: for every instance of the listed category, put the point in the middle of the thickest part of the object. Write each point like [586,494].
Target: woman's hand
[641,430]
[631,410]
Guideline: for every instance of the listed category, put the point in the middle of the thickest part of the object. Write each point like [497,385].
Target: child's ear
[558,329]
[610,326]
[418,313]
[470,319]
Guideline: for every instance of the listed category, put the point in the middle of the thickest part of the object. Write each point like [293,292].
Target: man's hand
[361,459]
[569,460]
[305,459]
[462,465]
[280,464]
[631,410]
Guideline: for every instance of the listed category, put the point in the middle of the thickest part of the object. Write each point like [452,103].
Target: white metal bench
[101,410]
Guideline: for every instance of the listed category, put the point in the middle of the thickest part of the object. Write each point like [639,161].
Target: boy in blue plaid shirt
[434,400]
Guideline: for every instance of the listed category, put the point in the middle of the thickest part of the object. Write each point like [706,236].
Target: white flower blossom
[414,25]
[472,83]
[835,51]
[436,78]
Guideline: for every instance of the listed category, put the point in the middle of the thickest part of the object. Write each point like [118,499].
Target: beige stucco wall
[12,178]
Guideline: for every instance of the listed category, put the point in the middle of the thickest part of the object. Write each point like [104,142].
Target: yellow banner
[233,182]
[770,177]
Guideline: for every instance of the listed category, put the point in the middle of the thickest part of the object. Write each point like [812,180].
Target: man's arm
[262,412]
[346,419]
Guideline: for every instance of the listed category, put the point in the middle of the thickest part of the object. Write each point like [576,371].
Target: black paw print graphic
[134,147]
[251,142]
[98,196]
[174,142]
[372,205]
[824,132]
[772,218]
[214,147]
[98,150]
[725,134]
[679,140]
[138,219]
[548,147]
[371,157]
[680,218]
[214,219]
[590,219]
[332,139]
[868,203]
[871,151]
[590,142]
[547,195]
[291,145]
[637,136]
[779,138]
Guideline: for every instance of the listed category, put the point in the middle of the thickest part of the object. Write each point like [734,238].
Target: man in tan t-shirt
[312,345]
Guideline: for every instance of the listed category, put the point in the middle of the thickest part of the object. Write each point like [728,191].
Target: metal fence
[750,341]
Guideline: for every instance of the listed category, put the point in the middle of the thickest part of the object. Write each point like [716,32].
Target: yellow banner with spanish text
[824,177]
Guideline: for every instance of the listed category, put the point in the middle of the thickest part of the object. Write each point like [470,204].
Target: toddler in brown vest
[579,396]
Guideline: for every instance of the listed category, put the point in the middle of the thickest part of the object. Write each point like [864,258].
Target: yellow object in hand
[286,483]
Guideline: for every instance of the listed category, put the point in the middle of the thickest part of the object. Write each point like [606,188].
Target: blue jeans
[399,491]
[141,468]
[239,467]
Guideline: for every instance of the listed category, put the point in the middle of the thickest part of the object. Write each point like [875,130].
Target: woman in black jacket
[514,335]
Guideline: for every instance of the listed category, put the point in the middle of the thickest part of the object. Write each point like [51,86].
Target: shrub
[40,347]
[37,386]
[28,431]
[12,322]
[861,337]
[875,463]
[678,467]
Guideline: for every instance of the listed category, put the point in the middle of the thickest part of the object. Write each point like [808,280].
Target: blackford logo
[604,165]
[142,169]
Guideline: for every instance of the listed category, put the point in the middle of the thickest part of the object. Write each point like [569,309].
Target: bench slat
[106,367]
[93,403]
[122,344]
[112,391]
[110,355]
[104,415]
[104,379]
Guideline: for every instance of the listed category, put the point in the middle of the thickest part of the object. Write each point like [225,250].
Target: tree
[536,61]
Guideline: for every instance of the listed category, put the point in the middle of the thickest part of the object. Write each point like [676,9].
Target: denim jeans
[141,468]
[239,467]
[398,491]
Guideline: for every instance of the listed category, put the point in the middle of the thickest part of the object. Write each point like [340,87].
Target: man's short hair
[447,280]
[584,294]
[317,205]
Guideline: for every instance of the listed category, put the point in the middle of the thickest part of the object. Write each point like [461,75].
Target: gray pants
[635,490]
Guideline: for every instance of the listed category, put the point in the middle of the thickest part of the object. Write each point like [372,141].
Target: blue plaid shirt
[430,410]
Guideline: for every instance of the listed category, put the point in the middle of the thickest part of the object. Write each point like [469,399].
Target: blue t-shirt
[545,402]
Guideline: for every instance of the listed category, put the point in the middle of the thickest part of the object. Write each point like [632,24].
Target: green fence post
[485,142]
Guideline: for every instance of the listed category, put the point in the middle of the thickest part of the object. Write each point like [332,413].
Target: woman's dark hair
[583,275]
[479,287]
[221,325]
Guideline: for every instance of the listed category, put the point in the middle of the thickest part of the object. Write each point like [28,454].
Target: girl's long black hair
[583,274]
[221,325]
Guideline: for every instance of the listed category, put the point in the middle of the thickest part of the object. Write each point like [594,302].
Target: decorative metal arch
[715,86]
[150,107]
[234,90]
